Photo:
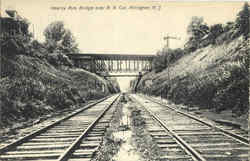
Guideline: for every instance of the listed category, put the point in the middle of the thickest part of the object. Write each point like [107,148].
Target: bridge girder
[113,62]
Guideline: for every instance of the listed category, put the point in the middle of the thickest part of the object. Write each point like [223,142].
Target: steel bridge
[98,63]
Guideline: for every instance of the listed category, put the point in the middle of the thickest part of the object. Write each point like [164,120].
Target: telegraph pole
[166,47]
[167,40]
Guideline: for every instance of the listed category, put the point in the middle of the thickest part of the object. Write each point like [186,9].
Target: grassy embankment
[214,77]
[211,71]
[35,83]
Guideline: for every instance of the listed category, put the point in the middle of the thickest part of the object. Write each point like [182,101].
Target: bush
[24,88]
[59,97]
[233,90]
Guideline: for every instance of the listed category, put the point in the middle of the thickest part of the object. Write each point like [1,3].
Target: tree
[197,28]
[242,21]
[57,37]
[68,43]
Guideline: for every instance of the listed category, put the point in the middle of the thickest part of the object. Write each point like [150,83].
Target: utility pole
[166,47]
[34,31]
[167,40]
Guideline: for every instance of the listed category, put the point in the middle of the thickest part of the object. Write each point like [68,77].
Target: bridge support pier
[138,81]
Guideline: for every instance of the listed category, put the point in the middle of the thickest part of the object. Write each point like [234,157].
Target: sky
[126,29]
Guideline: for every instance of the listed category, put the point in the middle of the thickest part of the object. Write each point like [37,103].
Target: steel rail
[70,149]
[181,142]
[239,138]
[39,131]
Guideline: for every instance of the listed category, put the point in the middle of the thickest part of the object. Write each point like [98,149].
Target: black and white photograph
[124,80]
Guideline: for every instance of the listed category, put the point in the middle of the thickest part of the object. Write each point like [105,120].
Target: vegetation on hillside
[212,69]
[164,58]
[202,35]
[38,78]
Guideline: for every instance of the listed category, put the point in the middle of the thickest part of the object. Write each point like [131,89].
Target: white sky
[122,31]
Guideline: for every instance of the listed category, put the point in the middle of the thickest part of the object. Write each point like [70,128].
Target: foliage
[164,58]
[60,97]
[229,25]
[20,97]
[242,21]
[215,31]
[16,30]
[57,37]
[219,85]
[197,28]
[57,59]
[201,35]
[225,88]
[222,83]
[232,92]
[30,86]
[36,45]
[160,61]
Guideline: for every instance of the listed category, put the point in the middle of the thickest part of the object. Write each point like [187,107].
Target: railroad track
[235,129]
[74,138]
[184,137]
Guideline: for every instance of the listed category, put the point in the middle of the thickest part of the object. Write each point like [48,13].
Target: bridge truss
[112,62]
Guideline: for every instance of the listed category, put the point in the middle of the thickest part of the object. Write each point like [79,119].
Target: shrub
[25,88]
[60,97]
[233,90]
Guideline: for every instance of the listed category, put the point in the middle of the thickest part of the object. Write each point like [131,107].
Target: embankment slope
[31,86]
[214,77]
